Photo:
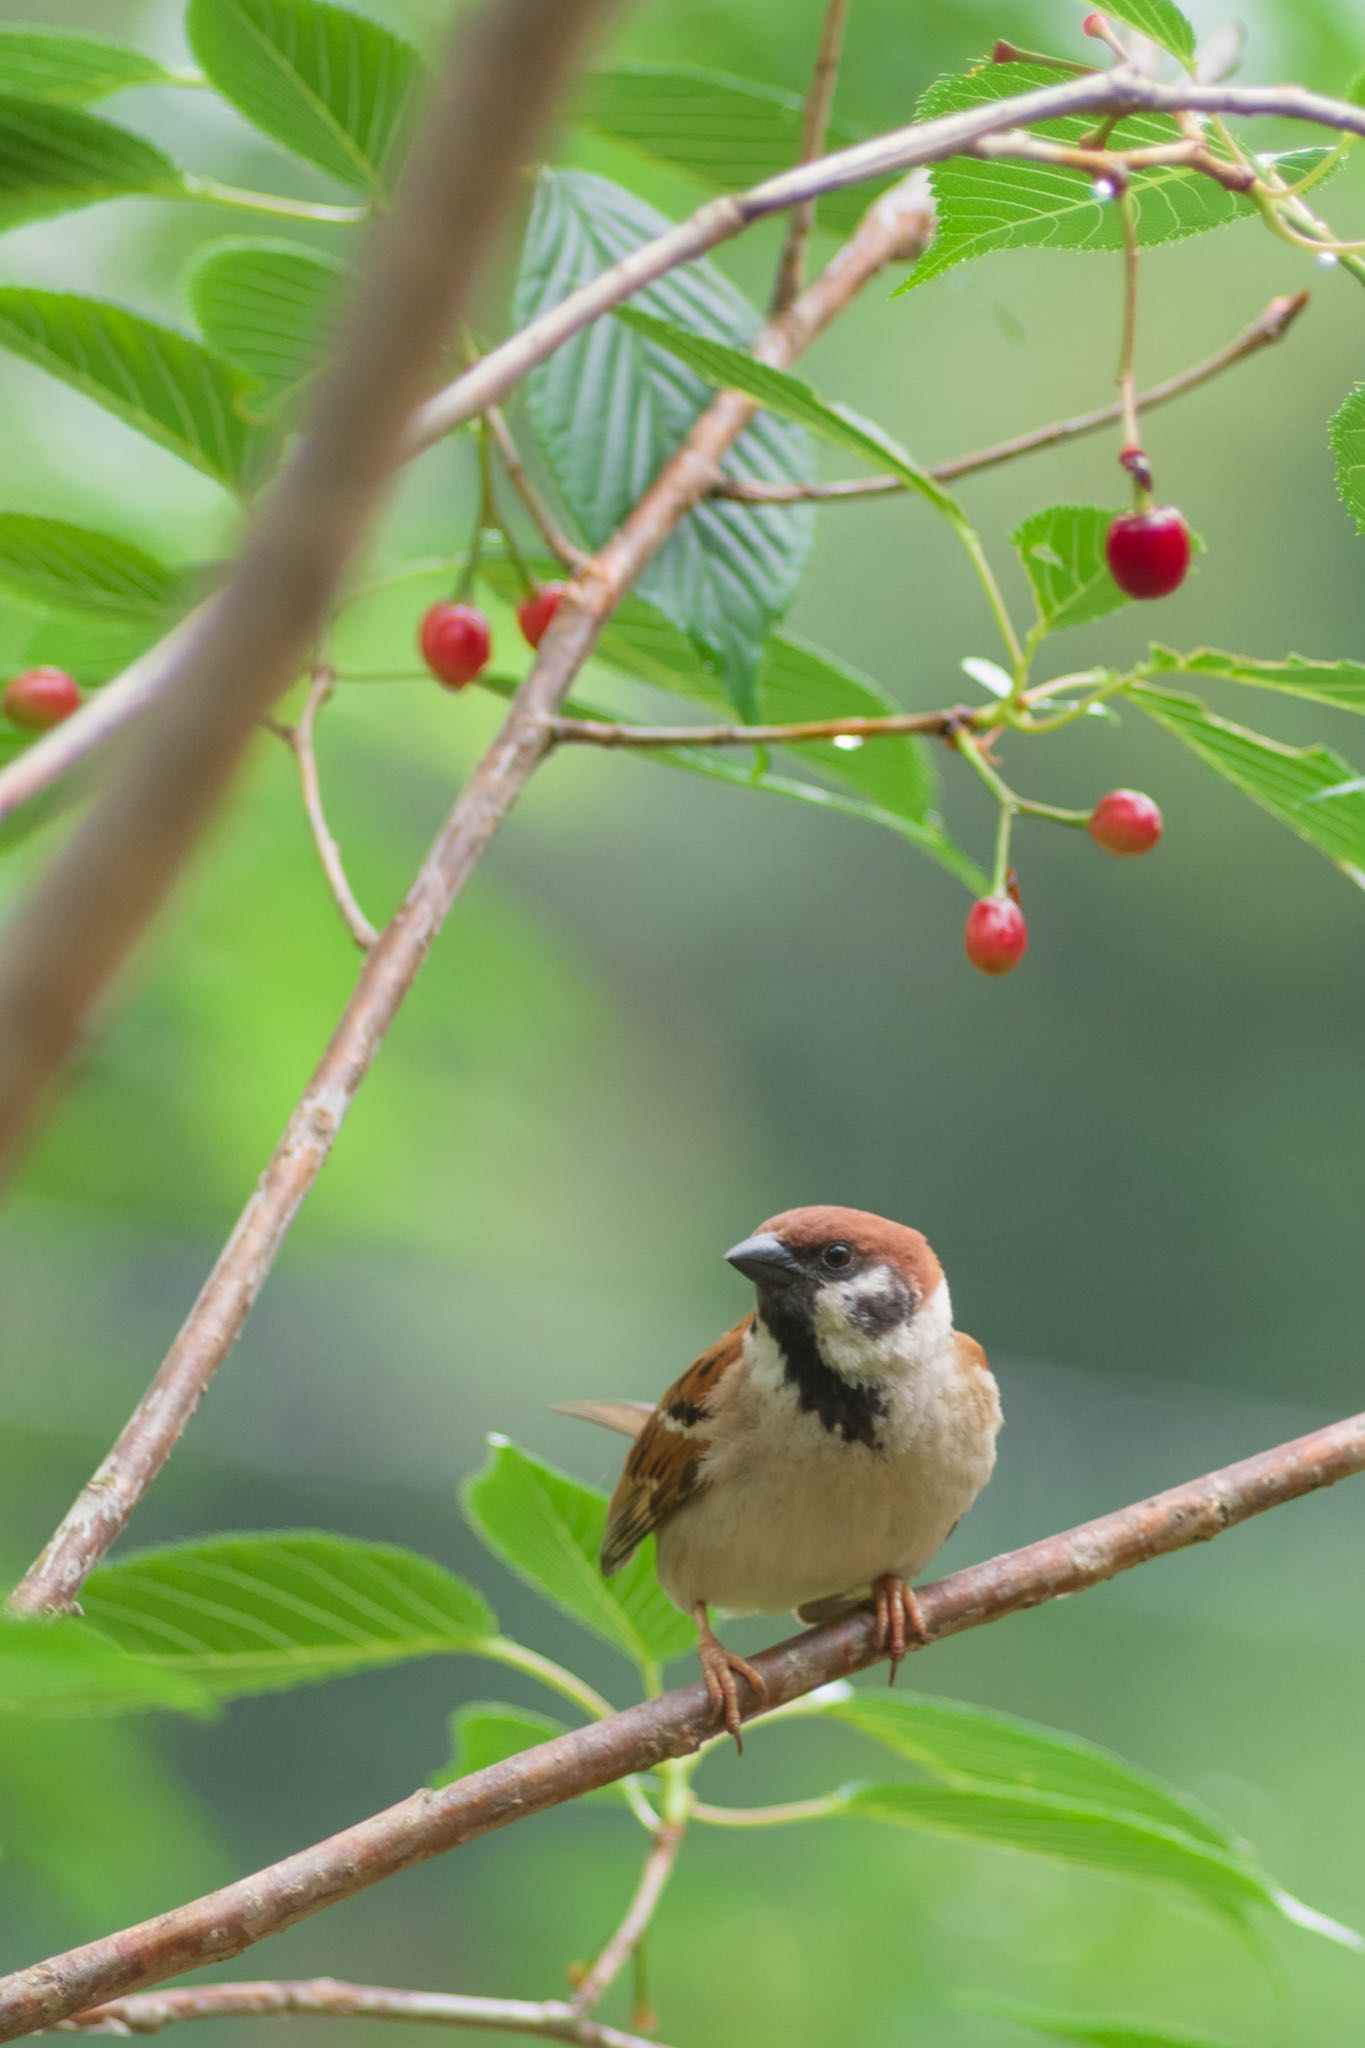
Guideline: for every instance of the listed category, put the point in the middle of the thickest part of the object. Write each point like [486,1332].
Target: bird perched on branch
[821,1452]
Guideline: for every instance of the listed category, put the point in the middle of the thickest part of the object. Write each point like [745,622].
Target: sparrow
[819,1454]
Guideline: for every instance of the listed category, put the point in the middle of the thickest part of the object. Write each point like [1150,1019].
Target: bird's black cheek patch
[876,1310]
[847,1408]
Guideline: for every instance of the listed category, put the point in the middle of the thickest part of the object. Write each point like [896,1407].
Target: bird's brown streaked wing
[664,1468]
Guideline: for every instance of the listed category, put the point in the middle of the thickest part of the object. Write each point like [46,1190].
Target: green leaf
[1096,2030]
[331,85]
[790,397]
[1162,21]
[1292,783]
[727,133]
[548,1529]
[268,306]
[1062,550]
[485,1732]
[1348,447]
[54,159]
[62,1666]
[972,1745]
[63,66]
[609,408]
[74,568]
[159,381]
[1339,683]
[985,206]
[252,1614]
[1070,1831]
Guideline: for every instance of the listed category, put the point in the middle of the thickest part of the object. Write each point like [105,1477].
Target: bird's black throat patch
[852,1408]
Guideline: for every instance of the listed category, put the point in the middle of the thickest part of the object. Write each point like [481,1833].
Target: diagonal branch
[489,381]
[1267,328]
[507,64]
[815,122]
[551,2019]
[897,224]
[658,1868]
[301,743]
[428,1823]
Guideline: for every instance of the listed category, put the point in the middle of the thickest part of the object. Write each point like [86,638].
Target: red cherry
[1148,552]
[535,612]
[455,644]
[995,937]
[1095,24]
[40,698]
[1125,821]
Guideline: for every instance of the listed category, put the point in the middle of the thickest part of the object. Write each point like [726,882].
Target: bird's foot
[900,1621]
[720,1668]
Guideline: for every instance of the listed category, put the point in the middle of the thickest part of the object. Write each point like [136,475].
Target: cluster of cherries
[1148,552]
[456,643]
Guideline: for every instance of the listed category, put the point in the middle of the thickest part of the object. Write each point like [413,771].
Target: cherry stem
[1127,381]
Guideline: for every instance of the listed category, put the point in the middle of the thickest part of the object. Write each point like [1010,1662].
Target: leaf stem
[976,554]
[824,1808]
[214,193]
[518,1657]
[1127,381]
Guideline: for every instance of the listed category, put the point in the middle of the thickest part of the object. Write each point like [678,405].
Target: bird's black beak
[764,1259]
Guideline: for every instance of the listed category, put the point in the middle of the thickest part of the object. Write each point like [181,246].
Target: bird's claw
[900,1621]
[720,1668]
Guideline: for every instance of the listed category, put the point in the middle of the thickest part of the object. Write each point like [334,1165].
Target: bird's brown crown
[874,1237]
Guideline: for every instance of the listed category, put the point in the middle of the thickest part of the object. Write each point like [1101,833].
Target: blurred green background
[664,1010]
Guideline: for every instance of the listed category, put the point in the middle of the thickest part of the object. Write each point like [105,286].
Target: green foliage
[1062,550]
[986,206]
[790,397]
[330,85]
[1095,2030]
[1295,784]
[726,133]
[609,409]
[485,1732]
[160,382]
[972,1745]
[548,1529]
[54,159]
[72,69]
[74,568]
[1348,449]
[1338,683]
[1162,21]
[267,307]
[59,1666]
[251,1614]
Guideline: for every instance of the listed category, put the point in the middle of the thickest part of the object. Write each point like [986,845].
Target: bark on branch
[897,224]
[428,1823]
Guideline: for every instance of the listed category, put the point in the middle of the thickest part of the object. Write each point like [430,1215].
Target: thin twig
[553,534]
[658,1868]
[488,382]
[593,732]
[1266,329]
[898,221]
[504,74]
[429,1823]
[328,1998]
[814,126]
[300,741]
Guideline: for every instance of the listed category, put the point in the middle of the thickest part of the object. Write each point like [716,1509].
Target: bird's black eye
[836,1257]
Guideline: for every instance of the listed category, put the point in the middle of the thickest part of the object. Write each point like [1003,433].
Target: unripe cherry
[1125,822]
[40,698]
[995,937]
[535,612]
[455,643]
[1148,552]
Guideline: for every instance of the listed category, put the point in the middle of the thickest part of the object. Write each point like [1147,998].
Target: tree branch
[898,222]
[1267,328]
[299,739]
[502,80]
[551,532]
[488,382]
[815,122]
[658,1868]
[428,1823]
[326,1997]
[593,732]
